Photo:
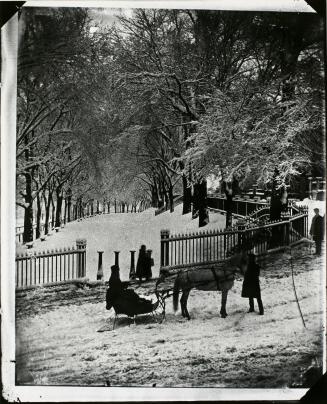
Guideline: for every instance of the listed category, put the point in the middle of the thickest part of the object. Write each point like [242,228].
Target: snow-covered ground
[59,343]
[122,232]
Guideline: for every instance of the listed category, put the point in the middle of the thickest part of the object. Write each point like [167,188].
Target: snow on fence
[240,206]
[51,266]
[207,247]
[246,207]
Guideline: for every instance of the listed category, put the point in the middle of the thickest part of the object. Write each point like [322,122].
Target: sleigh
[120,311]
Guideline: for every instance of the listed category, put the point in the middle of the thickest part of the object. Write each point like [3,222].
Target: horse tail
[176,293]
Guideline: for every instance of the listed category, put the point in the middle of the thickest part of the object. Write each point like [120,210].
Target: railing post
[117,258]
[81,257]
[288,233]
[132,274]
[240,233]
[100,268]
[164,255]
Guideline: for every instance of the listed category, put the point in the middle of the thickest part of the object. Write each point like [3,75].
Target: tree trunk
[59,198]
[53,213]
[92,208]
[81,212]
[65,211]
[202,204]
[195,200]
[38,217]
[69,207]
[228,190]
[97,207]
[229,210]
[47,212]
[187,196]
[108,206]
[28,211]
[171,198]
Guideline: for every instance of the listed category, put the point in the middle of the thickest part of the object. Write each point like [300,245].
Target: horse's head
[238,260]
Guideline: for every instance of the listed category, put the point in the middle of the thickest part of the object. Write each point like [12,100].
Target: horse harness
[216,277]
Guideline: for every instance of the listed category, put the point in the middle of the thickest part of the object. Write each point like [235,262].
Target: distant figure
[125,300]
[251,284]
[317,230]
[143,266]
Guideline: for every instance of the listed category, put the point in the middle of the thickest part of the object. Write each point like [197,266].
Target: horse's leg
[224,294]
[182,303]
[184,298]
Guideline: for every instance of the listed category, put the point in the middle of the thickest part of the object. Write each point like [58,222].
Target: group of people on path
[126,301]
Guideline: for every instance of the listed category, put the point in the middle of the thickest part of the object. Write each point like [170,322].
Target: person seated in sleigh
[125,300]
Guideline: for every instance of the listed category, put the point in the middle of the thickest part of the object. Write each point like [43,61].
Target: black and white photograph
[167,190]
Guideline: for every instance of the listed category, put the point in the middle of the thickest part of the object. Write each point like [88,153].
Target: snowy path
[123,232]
[59,344]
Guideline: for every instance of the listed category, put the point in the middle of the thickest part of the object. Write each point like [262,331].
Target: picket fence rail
[41,268]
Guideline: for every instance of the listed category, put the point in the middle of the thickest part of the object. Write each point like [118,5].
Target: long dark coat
[143,266]
[251,284]
[125,300]
[317,228]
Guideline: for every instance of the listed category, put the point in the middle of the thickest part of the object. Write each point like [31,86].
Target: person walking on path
[143,266]
[317,230]
[251,284]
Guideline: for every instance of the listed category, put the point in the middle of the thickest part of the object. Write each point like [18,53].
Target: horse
[218,277]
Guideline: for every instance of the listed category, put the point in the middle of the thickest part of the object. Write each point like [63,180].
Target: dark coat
[143,266]
[317,228]
[251,284]
[125,300]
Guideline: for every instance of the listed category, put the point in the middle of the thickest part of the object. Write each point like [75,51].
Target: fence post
[132,274]
[117,258]
[164,248]
[81,257]
[100,268]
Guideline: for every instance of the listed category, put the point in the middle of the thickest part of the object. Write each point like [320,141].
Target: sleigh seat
[119,310]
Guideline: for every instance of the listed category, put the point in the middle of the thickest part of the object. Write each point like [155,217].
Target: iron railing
[206,247]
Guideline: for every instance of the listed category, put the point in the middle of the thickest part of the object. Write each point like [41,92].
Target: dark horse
[219,277]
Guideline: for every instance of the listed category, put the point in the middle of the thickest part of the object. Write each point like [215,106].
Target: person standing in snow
[317,230]
[251,284]
[143,266]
